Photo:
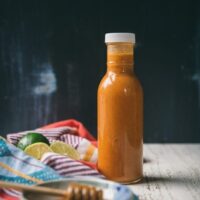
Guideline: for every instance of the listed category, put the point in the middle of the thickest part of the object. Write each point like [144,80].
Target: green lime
[36,150]
[31,138]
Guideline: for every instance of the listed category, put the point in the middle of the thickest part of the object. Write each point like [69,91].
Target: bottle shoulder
[115,83]
[123,79]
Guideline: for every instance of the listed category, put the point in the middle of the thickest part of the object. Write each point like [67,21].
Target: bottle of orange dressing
[120,113]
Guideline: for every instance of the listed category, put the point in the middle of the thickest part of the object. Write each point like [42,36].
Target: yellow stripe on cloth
[89,152]
[18,173]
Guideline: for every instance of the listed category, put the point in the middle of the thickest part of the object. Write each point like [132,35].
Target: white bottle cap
[120,37]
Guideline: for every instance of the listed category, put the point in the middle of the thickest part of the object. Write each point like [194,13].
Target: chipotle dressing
[120,113]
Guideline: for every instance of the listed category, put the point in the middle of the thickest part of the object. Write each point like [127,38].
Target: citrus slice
[36,150]
[65,149]
[2,138]
[31,138]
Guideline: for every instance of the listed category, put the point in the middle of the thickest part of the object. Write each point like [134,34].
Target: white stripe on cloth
[11,192]
[71,139]
[68,167]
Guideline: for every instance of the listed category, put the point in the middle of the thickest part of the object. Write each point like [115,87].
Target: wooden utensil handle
[44,190]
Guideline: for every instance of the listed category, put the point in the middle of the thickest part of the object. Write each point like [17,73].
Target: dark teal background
[52,57]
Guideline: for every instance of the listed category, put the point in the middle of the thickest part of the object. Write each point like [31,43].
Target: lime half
[36,150]
[65,149]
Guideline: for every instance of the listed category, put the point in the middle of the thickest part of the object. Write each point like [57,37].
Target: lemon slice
[36,150]
[65,149]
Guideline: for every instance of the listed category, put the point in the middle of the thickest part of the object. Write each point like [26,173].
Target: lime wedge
[65,149]
[36,150]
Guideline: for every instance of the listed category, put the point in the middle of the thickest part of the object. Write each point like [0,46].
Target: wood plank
[171,172]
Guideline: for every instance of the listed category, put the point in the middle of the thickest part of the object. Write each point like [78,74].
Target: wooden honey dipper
[73,191]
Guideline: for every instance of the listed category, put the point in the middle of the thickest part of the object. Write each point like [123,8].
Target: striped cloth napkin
[69,131]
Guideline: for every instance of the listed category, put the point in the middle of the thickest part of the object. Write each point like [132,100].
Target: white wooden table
[171,172]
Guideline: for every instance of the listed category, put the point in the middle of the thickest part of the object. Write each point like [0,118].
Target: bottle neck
[120,57]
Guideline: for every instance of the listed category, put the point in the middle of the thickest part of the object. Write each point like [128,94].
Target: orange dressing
[120,117]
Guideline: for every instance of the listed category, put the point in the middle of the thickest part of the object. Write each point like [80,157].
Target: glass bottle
[120,113]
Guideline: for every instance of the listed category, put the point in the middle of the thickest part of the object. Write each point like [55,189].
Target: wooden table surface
[171,172]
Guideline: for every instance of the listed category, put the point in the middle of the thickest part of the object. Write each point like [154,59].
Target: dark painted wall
[52,57]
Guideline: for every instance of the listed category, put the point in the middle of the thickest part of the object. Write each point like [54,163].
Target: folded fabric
[17,167]
[69,131]
[87,151]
